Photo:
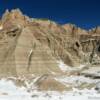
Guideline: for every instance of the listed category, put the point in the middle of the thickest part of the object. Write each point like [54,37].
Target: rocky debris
[86,86]
[47,82]
[4,93]
[92,72]
[94,76]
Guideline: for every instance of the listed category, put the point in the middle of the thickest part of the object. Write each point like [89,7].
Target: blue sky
[83,13]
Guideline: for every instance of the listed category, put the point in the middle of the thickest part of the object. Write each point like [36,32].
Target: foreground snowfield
[9,91]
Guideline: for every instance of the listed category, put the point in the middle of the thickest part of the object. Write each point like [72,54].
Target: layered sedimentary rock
[33,46]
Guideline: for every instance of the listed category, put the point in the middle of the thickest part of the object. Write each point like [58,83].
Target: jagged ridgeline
[34,46]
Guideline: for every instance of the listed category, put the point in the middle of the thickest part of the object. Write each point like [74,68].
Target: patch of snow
[74,95]
[30,85]
[12,91]
[75,80]
[16,93]
[64,67]
[93,70]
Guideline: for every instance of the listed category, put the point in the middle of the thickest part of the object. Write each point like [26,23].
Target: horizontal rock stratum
[33,46]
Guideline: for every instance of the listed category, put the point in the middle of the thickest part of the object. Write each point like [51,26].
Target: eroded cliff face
[33,46]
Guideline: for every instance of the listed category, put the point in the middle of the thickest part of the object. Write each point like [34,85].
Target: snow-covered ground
[65,67]
[9,91]
[76,79]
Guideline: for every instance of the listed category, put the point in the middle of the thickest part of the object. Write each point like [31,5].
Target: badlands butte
[40,47]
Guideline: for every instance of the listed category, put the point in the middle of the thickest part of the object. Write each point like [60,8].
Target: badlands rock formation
[34,51]
[33,46]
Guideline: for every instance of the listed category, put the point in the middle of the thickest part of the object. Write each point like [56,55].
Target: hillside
[48,54]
